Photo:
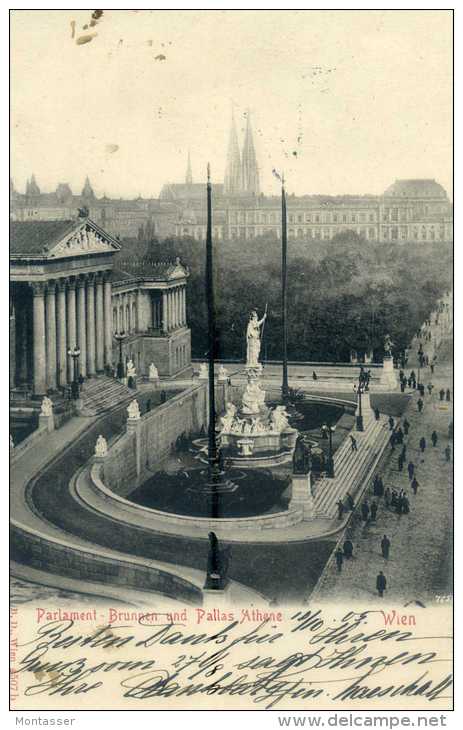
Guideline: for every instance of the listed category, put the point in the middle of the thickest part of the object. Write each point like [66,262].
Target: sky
[343,101]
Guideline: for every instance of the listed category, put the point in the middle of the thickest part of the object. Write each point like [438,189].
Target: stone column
[40,358]
[12,342]
[61,333]
[140,327]
[72,324]
[99,320]
[90,325]
[177,307]
[108,320]
[81,326]
[165,316]
[184,305]
[50,315]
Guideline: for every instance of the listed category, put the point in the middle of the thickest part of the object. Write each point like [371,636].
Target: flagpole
[284,247]
[212,443]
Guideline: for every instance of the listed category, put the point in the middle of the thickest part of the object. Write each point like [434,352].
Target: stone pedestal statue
[253,341]
[46,417]
[101,446]
[153,373]
[253,397]
[134,411]
[203,371]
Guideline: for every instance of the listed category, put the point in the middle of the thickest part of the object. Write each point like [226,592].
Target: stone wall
[120,465]
[153,437]
[32,548]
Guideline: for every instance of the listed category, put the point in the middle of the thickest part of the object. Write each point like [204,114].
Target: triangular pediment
[86,238]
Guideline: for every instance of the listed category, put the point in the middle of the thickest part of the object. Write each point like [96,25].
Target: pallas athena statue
[253,340]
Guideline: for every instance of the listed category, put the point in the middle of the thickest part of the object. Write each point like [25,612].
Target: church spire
[87,190]
[189,174]
[232,181]
[250,171]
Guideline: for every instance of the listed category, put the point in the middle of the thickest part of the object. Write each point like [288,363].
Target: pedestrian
[339,557]
[349,501]
[406,426]
[353,443]
[430,387]
[432,368]
[405,504]
[415,485]
[421,389]
[413,375]
[391,423]
[442,394]
[387,497]
[392,441]
[340,507]
[348,549]
[422,444]
[447,453]
[414,384]
[377,414]
[409,382]
[399,434]
[402,386]
[385,545]
[434,438]
[373,511]
[411,470]
[380,487]
[314,375]
[420,405]
[447,394]
[381,583]
[365,510]
[400,463]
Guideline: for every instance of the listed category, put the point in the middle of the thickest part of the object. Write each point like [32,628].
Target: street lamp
[360,388]
[120,337]
[328,431]
[74,353]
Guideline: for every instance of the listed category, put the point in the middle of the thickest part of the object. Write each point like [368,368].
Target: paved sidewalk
[420,561]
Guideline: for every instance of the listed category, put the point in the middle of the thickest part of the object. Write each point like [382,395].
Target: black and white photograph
[231,359]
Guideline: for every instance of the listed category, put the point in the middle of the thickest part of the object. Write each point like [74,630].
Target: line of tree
[344,294]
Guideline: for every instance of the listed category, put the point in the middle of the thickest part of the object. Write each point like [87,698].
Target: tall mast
[212,443]
[284,247]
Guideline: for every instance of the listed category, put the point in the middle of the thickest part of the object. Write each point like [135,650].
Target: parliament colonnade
[67,292]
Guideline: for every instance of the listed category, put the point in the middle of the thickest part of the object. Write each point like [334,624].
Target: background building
[409,210]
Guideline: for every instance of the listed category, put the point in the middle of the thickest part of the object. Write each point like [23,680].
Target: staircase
[101,393]
[351,467]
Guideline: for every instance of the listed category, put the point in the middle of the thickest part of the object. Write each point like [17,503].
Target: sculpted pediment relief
[86,239]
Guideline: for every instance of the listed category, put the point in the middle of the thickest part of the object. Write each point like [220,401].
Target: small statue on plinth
[203,371]
[47,407]
[134,410]
[388,345]
[301,456]
[101,446]
[153,372]
[217,565]
[131,371]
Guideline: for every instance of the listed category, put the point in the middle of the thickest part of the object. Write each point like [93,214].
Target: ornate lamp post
[75,354]
[327,431]
[120,337]
[360,388]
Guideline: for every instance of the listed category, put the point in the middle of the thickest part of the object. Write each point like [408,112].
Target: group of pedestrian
[444,394]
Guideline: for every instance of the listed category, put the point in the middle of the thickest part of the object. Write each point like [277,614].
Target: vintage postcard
[231,360]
